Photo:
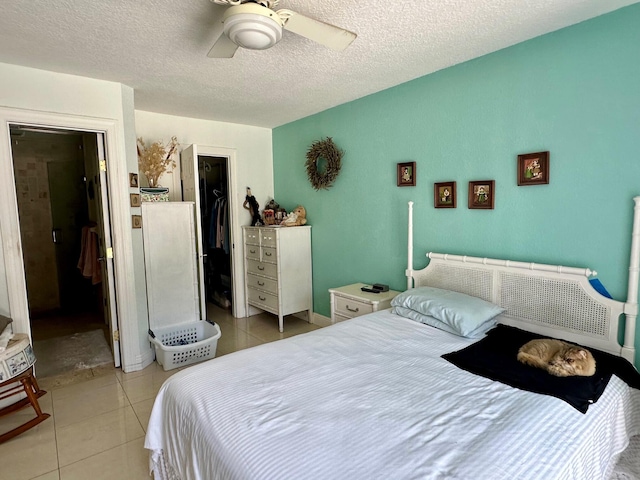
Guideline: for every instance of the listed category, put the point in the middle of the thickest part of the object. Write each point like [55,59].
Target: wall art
[134,199]
[533,168]
[133,180]
[482,194]
[444,195]
[407,174]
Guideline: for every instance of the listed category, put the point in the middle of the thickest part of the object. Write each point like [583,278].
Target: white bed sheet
[370,398]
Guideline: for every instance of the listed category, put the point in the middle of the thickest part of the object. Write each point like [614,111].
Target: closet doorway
[63,234]
[207,179]
[214,215]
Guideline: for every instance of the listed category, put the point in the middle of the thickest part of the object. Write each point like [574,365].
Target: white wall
[252,144]
[254,167]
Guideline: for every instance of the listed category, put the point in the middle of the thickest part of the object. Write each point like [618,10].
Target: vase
[154,194]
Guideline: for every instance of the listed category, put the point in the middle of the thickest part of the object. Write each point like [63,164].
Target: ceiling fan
[255,25]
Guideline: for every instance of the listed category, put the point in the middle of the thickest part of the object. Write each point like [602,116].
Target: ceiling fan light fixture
[252,31]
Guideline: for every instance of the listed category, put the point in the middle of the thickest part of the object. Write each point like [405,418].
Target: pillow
[462,313]
[495,357]
[4,321]
[434,322]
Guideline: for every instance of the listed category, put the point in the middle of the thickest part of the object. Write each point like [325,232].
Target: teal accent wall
[574,92]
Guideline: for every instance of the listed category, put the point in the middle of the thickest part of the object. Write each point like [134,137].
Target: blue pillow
[462,313]
[434,322]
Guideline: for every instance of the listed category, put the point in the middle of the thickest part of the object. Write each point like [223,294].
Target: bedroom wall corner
[572,92]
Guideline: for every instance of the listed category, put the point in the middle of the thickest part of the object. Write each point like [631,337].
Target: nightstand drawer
[352,308]
[263,298]
[340,318]
[261,268]
[262,283]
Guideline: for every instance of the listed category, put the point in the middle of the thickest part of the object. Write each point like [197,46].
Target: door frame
[120,219]
[237,266]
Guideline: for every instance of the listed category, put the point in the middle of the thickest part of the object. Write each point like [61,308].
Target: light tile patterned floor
[99,417]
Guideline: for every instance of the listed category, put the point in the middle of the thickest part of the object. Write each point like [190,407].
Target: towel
[88,263]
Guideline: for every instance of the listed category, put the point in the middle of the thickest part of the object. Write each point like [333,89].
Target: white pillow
[462,314]
[434,322]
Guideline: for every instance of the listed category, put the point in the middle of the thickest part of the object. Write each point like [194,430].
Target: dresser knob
[354,310]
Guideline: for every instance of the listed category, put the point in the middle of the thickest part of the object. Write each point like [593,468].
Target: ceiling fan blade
[335,38]
[223,46]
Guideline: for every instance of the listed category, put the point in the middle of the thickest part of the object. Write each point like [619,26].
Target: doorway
[208,177]
[216,221]
[58,193]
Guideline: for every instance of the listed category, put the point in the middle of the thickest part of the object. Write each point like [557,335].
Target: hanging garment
[88,263]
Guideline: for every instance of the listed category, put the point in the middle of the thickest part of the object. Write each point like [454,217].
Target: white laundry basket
[185,343]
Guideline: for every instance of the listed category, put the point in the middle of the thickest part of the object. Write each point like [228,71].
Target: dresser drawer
[263,298]
[262,283]
[341,318]
[260,268]
[351,308]
[268,238]
[269,254]
[253,252]
[252,236]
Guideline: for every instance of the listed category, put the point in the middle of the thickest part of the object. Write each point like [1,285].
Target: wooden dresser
[278,270]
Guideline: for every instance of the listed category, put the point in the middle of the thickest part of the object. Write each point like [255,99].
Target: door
[191,193]
[106,251]
[68,214]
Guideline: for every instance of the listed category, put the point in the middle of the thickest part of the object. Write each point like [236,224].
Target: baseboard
[321,320]
[141,361]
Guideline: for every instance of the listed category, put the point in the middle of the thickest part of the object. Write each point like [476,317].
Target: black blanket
[495,357]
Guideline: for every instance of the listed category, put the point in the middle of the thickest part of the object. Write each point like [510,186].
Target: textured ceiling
[159,48]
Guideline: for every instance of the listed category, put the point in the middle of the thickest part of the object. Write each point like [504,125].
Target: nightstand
[349,301]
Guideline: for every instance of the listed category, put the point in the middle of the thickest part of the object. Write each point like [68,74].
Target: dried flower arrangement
[156,159]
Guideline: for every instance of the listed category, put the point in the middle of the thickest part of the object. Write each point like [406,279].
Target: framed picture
[444,195]
[133,180]
[482,194]
[136,221]
[407,174]
[533,168]
[134,199]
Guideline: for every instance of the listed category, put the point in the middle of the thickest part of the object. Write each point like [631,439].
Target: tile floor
[99,416]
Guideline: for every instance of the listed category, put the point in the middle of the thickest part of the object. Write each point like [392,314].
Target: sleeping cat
[559,358]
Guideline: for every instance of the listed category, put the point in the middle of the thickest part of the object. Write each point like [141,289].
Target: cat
[558,358]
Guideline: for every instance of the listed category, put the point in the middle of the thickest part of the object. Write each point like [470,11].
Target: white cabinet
[350,301]
[278,270]
[171,263]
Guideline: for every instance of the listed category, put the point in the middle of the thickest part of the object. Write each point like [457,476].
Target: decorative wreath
[327,150]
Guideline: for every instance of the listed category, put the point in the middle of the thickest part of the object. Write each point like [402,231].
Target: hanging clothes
[88,263]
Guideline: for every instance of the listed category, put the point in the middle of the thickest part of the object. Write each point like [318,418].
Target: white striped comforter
[370,398]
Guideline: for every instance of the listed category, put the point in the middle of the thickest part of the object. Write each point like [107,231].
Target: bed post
[631,306]
[409,271]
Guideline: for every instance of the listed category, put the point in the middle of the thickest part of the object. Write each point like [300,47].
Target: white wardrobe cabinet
[278,270]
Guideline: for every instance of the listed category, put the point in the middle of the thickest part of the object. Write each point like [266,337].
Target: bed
[372,397]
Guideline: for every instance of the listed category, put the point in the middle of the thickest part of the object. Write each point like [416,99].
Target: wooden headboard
[551,300]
